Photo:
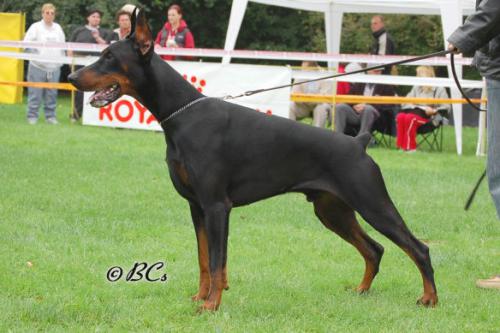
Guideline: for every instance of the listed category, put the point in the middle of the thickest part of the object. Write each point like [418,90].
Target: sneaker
[52,121]
[411,151]
[491,283]
[32,121]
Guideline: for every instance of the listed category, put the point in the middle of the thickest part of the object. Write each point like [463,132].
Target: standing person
[45,30]
[124,25]
[319,111]
[480,34]
[175,33]
[413,116]
[90,33]
[383,43]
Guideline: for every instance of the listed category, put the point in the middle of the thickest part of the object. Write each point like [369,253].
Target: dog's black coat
[221,155]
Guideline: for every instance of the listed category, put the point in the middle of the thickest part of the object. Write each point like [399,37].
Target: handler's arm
[479,28]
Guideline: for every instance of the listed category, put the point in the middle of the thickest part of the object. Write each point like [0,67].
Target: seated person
[320,111]
[343,87]
[363,116]
[412,116]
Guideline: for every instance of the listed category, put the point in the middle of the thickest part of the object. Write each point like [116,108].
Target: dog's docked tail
[364,139]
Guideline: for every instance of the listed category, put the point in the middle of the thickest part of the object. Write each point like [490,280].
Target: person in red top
[175,33]
[343,88]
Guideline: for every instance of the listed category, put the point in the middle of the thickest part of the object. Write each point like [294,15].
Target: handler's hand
[453,48]
[359,108]
[430,111]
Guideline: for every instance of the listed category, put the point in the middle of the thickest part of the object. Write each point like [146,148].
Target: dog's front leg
[201,238]
[216,223]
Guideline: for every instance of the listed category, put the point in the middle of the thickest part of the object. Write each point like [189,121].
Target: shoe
[411,151]
[32,121]
[52,121]
[491,283]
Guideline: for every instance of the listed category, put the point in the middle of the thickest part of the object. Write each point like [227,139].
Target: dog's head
[121,67]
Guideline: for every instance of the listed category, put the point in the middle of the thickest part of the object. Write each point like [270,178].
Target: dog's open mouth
[105,96]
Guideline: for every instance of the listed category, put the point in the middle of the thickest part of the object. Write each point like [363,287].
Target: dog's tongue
[97,101]
[104,96]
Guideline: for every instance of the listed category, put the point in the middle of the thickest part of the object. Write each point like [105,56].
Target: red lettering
[151,118]
[106,111]
[128,106]
[142,110]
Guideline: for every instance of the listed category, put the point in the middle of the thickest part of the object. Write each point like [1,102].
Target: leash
[473,193]
[430,55]
[457,82]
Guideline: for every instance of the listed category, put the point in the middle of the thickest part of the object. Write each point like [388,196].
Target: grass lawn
[77,200]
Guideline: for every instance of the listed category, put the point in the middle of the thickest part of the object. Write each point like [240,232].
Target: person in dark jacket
[175,33]
[364,117]
[89,33]
[480,34]
[383,43]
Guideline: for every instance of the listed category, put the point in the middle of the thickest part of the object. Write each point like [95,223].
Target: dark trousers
[77,102]
[346,116]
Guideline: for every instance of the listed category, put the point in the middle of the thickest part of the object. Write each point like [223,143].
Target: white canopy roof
[451,12]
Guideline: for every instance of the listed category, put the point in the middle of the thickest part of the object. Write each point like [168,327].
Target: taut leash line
[430,55]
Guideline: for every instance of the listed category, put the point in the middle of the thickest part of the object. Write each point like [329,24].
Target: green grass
[76,200]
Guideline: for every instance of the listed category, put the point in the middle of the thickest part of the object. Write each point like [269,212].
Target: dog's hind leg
[340,218]
[387,220]
[201,238]
[368,195]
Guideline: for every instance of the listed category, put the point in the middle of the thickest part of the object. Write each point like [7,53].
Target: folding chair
[431,133]
[384,129]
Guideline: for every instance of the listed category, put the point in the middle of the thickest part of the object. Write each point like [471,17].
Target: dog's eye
[108,56]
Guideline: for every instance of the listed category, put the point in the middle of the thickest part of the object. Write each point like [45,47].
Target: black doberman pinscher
[221,155]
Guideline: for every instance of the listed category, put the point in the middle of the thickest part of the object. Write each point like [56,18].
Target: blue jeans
[36,95]
[493,120]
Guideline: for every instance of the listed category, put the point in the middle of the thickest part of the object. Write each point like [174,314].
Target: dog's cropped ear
[132,21]
[142,35]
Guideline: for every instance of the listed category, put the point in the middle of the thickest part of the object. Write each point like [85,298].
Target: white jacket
[41,32]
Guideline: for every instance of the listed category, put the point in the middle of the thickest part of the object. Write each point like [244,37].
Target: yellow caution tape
[45,85]
[356,99]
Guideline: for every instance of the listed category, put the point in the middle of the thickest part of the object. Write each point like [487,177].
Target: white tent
[451,12]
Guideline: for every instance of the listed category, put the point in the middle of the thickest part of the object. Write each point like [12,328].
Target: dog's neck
[164,90]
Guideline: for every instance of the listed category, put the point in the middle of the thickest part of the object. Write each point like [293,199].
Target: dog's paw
[208,306]
[361,290]
[198,297]
[428,300]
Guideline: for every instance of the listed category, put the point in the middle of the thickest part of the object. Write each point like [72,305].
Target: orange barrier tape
[356,99]
[45,85]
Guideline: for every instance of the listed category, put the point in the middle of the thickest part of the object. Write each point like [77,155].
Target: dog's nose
[72,78]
